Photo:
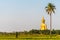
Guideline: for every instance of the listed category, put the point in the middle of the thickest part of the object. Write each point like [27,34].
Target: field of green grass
[30,37]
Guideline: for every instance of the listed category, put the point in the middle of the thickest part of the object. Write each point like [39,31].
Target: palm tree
[50,8]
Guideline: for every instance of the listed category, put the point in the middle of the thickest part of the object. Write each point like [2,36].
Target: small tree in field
[16,34]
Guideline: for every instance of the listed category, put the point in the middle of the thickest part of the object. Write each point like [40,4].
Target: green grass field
[30,37]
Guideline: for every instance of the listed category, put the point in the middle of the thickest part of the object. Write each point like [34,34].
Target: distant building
[43,26]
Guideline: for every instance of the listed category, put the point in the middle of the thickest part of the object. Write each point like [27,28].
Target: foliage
[33,31]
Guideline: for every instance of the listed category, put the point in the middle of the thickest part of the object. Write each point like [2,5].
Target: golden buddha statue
[43,25]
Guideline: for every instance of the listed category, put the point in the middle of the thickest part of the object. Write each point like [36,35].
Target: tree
[50,8]
[34,31]
[16,34]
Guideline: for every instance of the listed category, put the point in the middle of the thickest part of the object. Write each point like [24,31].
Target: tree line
[31,32]
[46,32]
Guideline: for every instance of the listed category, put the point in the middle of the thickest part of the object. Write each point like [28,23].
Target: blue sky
[24,15]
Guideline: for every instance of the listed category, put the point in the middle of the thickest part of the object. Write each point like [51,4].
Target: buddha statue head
[43,20]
